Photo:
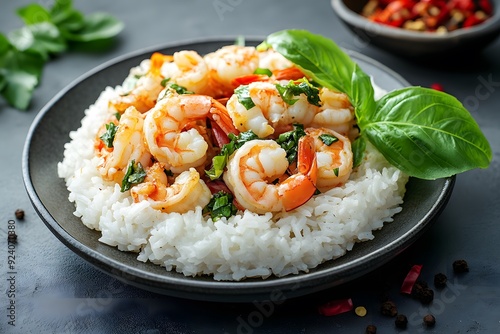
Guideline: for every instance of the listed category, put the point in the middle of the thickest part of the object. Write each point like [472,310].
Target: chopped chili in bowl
[438,16]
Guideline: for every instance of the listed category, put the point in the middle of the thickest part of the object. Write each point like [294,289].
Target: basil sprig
[47,32]
[425,133]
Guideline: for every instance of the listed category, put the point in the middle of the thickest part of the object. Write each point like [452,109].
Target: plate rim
[191,288]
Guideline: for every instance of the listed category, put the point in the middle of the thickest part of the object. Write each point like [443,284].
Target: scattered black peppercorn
[460,266]
[12,237]
[440,280]
[371,329]
[19,214]
[422,292]
[429,320]
[388,308]
[401,321]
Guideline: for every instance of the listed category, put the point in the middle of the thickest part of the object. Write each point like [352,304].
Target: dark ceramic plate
[44,148]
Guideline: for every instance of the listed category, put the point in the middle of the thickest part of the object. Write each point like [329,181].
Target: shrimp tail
[220,115]
[300,187]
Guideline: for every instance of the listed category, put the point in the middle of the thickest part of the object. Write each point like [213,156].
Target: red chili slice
[410,279]
[335,307]
[437,86]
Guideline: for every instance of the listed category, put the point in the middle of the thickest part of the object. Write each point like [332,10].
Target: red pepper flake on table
[438,16]
[335,307]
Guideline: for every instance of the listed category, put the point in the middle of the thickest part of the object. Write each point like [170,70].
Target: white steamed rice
[245,245]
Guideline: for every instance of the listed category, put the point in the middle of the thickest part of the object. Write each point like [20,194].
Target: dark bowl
[414,44]
[44,148]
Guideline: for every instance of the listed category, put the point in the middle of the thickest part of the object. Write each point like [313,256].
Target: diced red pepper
[486,6]
[220,136]
[410,279]
[335,307]
[471,21]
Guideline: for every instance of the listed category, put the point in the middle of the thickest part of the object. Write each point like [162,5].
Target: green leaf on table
[96,26]
[42,38]
[65,17]
[21,72]
[426,133]
[33,14]
[4,44]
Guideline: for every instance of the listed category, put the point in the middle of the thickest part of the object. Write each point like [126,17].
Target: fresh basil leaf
[134,174]
[5,45]
[96,26]
[33,14]
[328,139]
[322,60]
[220,205]
[21,72]
[42,38]
[426,133]
[65,17]
[358,148]
[243,96]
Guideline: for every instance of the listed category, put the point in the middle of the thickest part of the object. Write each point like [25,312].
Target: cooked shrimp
[170,135]
[228,63]
[128,145]
[336,112]
[189,70]
[145,93]
[273,60]
[334,160]
[270,111]
[253,169]
[186,193]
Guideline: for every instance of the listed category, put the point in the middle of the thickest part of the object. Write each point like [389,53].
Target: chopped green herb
[109,136]
[244,97]
[220,205]
[179,89]
[295,88]
[264,71]
[134,174]
[164,82]
[289,141]
[328,139]
[336,171]
[219,162]
[118,116]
